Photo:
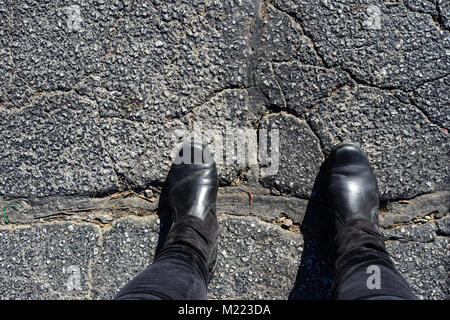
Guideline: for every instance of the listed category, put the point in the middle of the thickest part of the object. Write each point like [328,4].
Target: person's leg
[183,268]
[364,269]
[179,273]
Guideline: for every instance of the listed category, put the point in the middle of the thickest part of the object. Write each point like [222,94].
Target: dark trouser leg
[179,273]
[361,253]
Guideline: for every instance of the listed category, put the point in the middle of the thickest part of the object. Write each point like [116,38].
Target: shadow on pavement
[316,271]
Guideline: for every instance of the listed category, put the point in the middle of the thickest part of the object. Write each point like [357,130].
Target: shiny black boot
[192,186]
[352,186]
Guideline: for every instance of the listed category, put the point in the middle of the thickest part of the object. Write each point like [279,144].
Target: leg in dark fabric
[179,273]
[183,267]
[363,267]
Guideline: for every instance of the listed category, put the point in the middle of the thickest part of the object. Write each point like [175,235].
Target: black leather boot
[192,191]
[359,244]
[352,186]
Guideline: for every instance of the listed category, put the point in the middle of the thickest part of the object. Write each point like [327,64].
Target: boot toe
[352,185]
[193,181]
[347,153]
[194,152]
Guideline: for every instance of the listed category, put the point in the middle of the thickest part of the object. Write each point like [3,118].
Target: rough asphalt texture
[92,93]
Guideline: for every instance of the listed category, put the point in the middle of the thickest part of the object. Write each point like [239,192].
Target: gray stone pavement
[92,93]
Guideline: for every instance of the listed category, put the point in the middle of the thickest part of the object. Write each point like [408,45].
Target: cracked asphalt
[92,93]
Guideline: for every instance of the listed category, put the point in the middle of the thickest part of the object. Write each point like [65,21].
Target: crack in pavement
[422,112]
[305,34]
[231,200]
[437,20]
[325,65]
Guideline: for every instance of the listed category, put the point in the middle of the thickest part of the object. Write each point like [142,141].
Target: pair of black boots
[193,184]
